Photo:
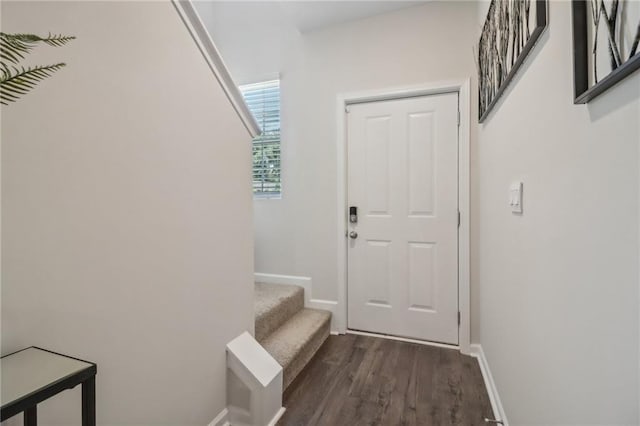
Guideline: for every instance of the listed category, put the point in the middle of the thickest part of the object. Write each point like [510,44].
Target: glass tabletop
[33,369]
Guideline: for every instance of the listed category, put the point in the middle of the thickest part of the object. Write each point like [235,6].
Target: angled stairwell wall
[113,213]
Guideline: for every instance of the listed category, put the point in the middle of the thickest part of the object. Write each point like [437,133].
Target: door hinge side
[346,109]
[458,218]
[458,318]
[458,118]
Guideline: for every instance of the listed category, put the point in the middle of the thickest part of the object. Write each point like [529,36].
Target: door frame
[462,88]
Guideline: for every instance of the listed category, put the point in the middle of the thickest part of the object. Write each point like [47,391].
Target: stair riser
[270,321]
[305,355]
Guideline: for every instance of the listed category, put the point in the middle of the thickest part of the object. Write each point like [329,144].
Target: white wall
[126,213]
[554,291]
[296,235]
[256,38]
[558,285]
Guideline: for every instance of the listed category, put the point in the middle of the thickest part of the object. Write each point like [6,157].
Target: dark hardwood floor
[361,380]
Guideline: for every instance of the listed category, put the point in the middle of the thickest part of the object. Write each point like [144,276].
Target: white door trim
[462,87]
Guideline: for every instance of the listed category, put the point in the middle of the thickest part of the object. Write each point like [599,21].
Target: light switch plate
[515,197]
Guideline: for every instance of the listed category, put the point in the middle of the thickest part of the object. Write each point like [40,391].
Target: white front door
[403,250]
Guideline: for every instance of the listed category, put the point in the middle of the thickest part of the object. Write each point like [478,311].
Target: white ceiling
[313,15]
[255,37]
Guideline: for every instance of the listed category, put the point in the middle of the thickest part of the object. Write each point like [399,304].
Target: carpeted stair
[291,333]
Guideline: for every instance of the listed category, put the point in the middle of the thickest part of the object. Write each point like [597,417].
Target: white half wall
[126,213]
[558,285]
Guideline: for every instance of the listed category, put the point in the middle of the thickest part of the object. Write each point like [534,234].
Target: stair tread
[285,343]
[273,305]
[268,296]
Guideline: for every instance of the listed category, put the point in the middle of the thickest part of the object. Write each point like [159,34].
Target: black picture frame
[540,20]
[583,93]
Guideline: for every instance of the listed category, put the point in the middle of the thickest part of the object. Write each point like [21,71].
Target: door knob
[353,235]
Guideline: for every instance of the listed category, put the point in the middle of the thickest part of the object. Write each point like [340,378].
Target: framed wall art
[606,34]
[510,31]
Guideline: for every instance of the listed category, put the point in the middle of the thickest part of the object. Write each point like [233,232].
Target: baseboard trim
[492,390]
[309,302]
[222,419]
[277,417]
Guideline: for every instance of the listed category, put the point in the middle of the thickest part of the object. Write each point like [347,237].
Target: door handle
[353,235]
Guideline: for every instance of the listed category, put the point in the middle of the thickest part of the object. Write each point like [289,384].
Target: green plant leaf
[14,47]
[17,82]
[57,40]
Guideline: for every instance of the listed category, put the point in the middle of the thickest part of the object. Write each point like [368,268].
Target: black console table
[33,374]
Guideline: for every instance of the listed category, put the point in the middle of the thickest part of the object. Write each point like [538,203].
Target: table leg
[31,416]
[89,402]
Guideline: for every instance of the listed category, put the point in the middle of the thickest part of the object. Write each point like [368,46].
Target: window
[263,99]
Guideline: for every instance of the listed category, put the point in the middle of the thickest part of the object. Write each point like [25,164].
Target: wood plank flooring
[361,380]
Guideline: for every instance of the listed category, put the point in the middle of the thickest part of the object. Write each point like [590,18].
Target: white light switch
[515,197]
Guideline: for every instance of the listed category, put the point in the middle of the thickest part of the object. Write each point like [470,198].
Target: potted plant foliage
[17,80]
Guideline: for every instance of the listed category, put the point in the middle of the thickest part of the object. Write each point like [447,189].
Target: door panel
[422,258]
[377,276]
[377,141]
[421,164]
[403,177]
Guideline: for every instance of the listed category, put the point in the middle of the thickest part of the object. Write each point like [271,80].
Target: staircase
[291,333]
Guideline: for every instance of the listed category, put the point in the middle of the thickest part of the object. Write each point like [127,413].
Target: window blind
[263,100]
